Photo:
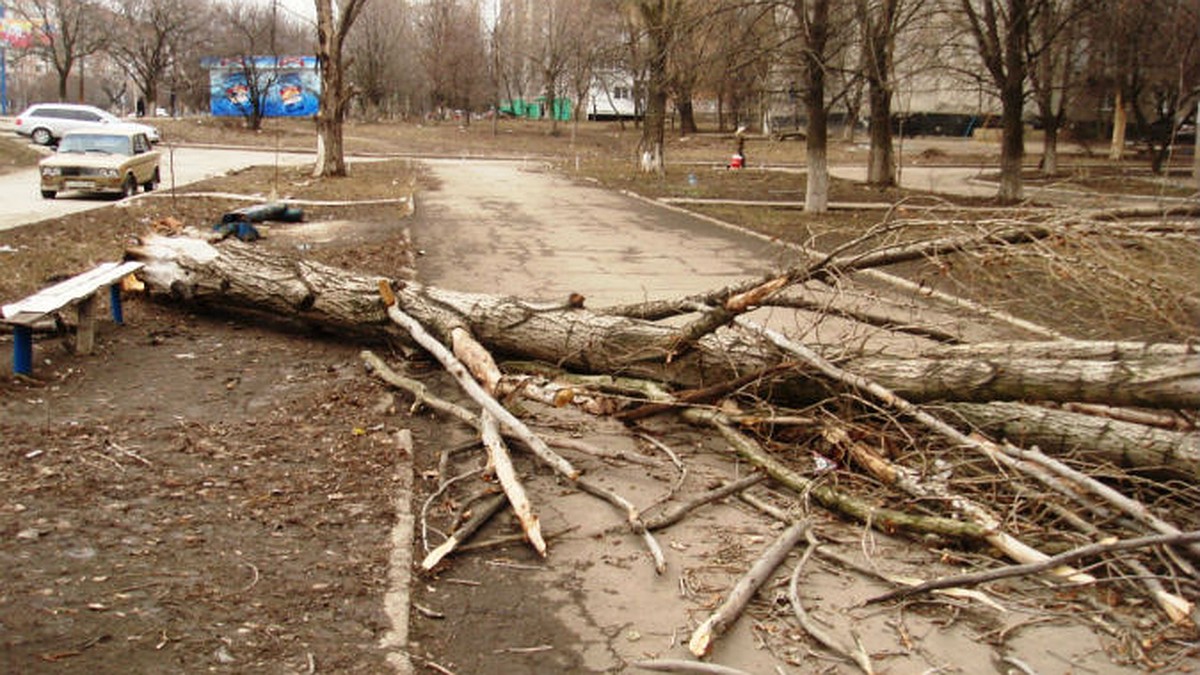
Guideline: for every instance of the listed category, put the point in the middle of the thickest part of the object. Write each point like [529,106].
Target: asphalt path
[23,203]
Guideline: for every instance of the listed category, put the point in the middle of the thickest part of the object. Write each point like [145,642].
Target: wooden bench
[78,291]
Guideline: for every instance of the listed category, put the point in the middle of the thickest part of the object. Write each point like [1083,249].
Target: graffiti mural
[291,84]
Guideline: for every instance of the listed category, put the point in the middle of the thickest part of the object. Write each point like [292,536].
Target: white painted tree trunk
[1117,151]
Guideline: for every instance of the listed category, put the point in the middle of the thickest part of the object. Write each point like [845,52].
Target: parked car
[113,160]
[45,123]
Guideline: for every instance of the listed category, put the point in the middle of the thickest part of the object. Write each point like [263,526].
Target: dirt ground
[214,493]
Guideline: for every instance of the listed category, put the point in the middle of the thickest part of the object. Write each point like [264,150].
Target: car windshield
[106,143]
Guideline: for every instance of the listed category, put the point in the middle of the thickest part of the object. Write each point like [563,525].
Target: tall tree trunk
[331,32]
[687,113]
[881,159]
[551,93]
[653,132]
[1050,147]
[1116,150]
[816,197]
[878,30]
[1012,101]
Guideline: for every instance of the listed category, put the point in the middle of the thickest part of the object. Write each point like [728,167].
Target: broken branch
[744,590]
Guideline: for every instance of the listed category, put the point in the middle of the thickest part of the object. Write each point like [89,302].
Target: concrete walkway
[596,604]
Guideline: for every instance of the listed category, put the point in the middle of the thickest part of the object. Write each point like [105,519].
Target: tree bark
[878,26]
[657,17]
[331,33]
[815,19]
[238,275]
[1117,146]
[1057,432]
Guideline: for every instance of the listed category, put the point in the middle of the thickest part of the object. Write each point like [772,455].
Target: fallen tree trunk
[1058,431]
[237,275]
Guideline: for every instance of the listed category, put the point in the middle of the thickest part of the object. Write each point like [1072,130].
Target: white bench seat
[80,292]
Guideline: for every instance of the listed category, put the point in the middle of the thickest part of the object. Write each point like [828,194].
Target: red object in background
[737,162]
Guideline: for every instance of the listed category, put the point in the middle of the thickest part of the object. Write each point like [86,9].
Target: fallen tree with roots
[1026,447]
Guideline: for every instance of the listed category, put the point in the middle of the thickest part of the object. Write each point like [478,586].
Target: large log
[1059,432]
[235,274]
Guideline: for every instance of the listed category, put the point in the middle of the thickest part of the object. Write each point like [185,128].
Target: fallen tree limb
[857,655]
[632,518]
[744,590]
[506,540]
[1095,350]
[477,393]
[828,265]
[597,451]
[1091,550]
[906,481]
[865,316]
[1124,444]
[1011,547]
[864,511]
[1163,419]
[697,396]
[1130,507]
[421,393]
[502,464]
[482,514]
[678,513]
[680,666]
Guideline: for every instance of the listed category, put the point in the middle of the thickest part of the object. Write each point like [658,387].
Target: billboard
[291,84]
[21,33]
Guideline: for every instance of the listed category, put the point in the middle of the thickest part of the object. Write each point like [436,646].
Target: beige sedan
[115,160]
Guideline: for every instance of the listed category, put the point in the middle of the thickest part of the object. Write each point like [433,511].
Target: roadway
[23,203]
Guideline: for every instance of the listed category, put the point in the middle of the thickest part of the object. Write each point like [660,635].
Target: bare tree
[68,31]
[150,38]
[332,29]
[1055,42]
[657,22]
[701,29]
[1001,30]
[878,22]
[740,66]
[557,39]
[380,60]
[248,48]
[1154,67]
[596,40]
[453,54]
[512,44]
[812,19]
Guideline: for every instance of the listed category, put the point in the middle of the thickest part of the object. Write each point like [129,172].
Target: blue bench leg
[114,301]
[22,350]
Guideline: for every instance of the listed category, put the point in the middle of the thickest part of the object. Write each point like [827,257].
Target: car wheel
[129,187]
[42,136]
[48,194]
[152,183]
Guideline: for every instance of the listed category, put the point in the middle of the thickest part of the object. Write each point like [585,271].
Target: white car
[45,123]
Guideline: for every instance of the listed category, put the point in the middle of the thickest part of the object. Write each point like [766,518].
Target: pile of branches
[1075,460]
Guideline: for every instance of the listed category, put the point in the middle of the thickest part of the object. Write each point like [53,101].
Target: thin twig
[1091,550]
[677,514]
[858,655]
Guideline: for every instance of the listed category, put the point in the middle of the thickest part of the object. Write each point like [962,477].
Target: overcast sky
[298,9]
